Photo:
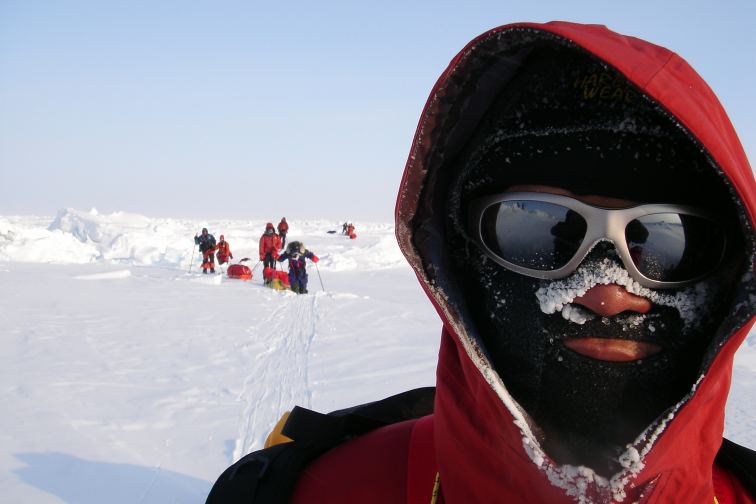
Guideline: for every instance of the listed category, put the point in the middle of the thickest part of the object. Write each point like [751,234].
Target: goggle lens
[671,247]
[533,234]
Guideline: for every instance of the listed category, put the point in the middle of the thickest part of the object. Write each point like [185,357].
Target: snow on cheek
[558,295]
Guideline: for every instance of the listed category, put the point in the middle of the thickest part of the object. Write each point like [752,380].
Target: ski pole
[256,265]
[193,249]
[319,278]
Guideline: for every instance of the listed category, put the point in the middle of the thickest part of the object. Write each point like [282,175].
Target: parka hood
[485,443]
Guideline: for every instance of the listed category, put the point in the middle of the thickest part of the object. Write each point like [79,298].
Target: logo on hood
[605,86]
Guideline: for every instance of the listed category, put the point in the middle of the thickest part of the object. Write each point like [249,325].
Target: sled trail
[278,380]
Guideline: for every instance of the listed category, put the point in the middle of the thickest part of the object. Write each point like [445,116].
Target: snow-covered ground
[127,379]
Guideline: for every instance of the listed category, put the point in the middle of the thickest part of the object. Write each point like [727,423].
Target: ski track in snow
[278,380]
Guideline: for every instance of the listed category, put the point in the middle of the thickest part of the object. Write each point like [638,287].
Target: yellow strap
[275,437]
[437,488]
[715,500]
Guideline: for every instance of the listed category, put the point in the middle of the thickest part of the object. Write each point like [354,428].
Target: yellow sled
[278,285]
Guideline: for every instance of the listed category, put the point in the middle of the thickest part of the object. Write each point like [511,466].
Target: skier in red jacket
[270,244]
[283,228]
[579,210]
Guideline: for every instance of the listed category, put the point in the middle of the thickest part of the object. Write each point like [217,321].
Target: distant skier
[206,243]
[350,231]
[344,228]
[283,228]
[270,244]
[296,253]
[224,251]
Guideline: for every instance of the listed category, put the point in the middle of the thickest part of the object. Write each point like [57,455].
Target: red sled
[352,236]
[239,271]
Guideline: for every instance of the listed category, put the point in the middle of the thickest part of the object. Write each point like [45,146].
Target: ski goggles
[547,236]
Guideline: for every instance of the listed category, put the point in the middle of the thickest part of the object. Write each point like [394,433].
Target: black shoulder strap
[269,476]
[740,461]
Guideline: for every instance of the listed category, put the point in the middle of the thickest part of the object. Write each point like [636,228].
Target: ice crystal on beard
[576,314]
[555,295]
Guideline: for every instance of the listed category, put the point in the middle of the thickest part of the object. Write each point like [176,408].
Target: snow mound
[119,237]
[93,227]
[26,240]
[79,237]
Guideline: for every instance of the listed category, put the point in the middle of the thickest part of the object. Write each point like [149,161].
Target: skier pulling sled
[296,253]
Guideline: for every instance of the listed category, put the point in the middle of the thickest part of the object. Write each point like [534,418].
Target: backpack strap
[269,476]
[740,461]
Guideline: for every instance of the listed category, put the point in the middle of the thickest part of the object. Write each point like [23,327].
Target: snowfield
[127,379]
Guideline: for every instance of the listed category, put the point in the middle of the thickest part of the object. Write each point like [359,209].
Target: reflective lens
[533,234]
[671,247]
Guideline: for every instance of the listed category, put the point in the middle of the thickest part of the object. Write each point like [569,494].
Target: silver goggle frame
[602,224]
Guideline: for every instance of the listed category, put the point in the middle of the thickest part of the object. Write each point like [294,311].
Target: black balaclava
[569,122]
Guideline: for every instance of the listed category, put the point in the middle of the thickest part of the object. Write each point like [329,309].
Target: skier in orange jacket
[223,251]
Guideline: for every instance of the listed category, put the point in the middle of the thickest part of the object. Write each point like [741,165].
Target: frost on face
[573,313]
[558,295]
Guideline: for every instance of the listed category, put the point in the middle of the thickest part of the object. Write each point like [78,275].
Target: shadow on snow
[81,481]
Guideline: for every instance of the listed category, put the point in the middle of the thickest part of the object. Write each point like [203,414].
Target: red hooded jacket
[477,441]
[270,243]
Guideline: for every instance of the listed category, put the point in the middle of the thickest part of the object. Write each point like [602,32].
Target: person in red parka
[580,212]
[270,244]
[283,228]
[223,250]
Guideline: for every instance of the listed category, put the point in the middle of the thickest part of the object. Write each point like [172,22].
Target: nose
[609,300]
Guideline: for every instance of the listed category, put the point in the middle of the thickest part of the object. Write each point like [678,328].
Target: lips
[612,350]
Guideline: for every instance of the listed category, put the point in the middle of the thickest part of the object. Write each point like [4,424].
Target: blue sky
[234,109]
